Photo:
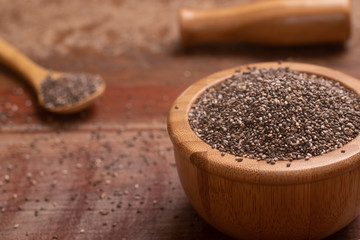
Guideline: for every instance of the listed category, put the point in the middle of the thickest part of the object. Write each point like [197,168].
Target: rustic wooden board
[109,172]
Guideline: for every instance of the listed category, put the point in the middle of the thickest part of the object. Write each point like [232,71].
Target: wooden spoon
[35,76]
[272,22]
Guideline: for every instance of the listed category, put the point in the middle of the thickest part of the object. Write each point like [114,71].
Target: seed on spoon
[69,89]
[58,92]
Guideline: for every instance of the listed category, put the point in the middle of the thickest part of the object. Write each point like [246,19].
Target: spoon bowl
[77,107]
[73,108]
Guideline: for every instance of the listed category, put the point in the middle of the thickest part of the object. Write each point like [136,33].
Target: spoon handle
[21,64]
[272,22]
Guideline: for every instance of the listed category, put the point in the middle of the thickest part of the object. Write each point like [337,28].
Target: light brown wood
[255,200]
[35,74]
[273,22]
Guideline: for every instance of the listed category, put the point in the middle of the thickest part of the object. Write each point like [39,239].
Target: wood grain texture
[68,179]
[273,22]
[310,200]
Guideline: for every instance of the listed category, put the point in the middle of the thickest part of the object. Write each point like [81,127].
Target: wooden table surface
[109,172]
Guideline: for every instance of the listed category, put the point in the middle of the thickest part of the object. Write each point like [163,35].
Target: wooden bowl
[255,200]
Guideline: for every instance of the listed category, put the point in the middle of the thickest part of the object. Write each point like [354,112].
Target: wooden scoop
[272,22]
[35,76]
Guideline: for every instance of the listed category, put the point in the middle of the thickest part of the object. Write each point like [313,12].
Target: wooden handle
[273,22]
[18,62]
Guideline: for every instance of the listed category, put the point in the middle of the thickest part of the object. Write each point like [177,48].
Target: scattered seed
[7,178]
[102,195]
[28,103]
[104,212]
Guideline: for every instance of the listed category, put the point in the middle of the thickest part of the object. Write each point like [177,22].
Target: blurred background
[109,172]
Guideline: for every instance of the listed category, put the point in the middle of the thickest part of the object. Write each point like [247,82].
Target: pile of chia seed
[69,89]
[276,114]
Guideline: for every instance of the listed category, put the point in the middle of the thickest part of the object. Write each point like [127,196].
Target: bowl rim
[200,154]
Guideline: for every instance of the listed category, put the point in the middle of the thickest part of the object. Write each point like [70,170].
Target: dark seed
[276,114]
[68,89]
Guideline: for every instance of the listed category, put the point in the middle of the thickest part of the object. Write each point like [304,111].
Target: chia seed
[69,89]
[276,114]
